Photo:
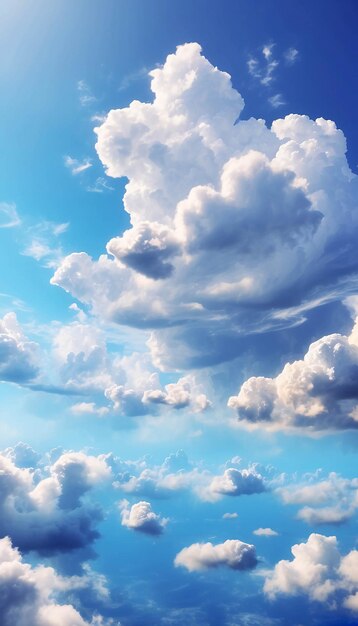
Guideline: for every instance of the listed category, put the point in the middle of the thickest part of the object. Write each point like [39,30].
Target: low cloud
[142,518]
[317,393]
[317,570]
[233,554]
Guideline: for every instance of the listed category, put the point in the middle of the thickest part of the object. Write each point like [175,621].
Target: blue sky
[178,313]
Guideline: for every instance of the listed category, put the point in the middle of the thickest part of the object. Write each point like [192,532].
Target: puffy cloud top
[320,392]
[317,570]
[141,517]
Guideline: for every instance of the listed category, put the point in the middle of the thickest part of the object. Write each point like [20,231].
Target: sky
[178,313]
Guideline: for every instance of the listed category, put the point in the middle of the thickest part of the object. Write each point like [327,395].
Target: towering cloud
[235,227]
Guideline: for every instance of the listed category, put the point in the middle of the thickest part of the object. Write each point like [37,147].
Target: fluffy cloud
[265,532]
[176,474]
[142,518]
[218,207]
[320,392]
[131,383]
[184,393]
[232,553]
[29,594]
[45,511]
[333,500]
[18,355]
[234,482]
[317,570]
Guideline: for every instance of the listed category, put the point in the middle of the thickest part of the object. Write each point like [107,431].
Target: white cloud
[277,100]
[233,554]
[291,56]
[230,516]
[316,393]
[8,215]
[184,393]
[142,518]
[265,532]
[334,499]
[194,172]
[75,166]
[263,69]
[317,570]
[85,94]
[234,482]
[29,594]
[19,359]
[89,408]
[101,184]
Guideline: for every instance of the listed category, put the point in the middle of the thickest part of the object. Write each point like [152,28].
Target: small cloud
[37,250]
[265,532]
[230,516]
[76,166]
[277,101]
[141,517]
[233,554]
[100,186]
[43,244]
[8,215]
[89,408]
[263,69]
[85,94]
[291,56]
[129,79]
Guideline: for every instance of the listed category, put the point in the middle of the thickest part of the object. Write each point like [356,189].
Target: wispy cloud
[86,96]
[291,56]
[76,166]
[8,215]
[263,68]
[43,244]
[100,186]
[277,100]
[129,79]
